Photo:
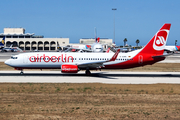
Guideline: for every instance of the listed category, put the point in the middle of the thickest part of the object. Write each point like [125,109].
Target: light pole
[114,9]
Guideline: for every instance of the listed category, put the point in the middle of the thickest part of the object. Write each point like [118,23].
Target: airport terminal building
[29,42]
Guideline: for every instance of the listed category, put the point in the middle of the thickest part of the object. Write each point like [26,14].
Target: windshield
[13,57]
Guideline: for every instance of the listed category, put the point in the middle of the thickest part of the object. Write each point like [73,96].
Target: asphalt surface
[96,77]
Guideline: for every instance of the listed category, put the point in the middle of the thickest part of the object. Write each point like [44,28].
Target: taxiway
[96,77]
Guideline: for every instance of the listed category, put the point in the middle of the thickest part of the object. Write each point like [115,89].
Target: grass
[91,88]
[89,101]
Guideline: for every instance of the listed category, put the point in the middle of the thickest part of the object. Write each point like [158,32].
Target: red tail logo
[160,39]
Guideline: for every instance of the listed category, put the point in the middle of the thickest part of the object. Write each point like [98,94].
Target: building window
[27,36]
[21,36]
[15,36]
[8,36]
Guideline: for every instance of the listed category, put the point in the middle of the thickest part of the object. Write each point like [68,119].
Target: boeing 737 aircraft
[74,62]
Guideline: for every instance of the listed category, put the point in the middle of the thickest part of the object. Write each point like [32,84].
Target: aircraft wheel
[21,72]
[88,72]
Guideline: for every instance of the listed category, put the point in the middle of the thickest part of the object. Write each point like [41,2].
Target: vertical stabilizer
[2,42]
[157,44]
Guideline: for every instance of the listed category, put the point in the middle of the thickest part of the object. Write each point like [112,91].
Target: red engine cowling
[69,68]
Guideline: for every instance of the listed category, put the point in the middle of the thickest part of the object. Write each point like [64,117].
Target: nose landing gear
[21,72]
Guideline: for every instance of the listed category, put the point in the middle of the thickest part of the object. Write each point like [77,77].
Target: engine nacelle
[69,68]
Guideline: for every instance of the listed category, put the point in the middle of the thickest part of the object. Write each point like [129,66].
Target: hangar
[28,41]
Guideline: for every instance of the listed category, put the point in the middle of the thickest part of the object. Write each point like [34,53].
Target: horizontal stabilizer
[164,55]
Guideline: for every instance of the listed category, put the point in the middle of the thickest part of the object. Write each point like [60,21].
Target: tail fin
[2,42]
[11,45]
[177,48]
[157,44]
[98,39]
[107,51]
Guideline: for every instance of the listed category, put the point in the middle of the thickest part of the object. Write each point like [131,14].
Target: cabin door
[25,59]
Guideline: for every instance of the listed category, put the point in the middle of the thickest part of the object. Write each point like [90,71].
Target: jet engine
[66,68]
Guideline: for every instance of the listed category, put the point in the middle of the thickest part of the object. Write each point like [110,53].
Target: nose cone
[8,62]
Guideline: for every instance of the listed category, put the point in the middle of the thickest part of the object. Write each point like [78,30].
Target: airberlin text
[46,58]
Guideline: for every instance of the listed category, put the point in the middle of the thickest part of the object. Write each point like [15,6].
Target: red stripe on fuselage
[135,62]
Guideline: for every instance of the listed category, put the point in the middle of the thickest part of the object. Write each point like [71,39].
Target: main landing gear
[88,72]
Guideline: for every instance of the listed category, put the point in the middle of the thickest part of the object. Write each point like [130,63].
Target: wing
[98,64]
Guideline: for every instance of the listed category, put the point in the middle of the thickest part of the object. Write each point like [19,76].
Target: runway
[96,77]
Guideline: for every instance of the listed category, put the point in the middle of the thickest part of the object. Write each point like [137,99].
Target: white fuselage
[55,60]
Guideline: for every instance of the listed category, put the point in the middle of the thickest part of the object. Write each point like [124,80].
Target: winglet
[115,56]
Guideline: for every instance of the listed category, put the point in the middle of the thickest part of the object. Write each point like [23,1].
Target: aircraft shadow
[98,75]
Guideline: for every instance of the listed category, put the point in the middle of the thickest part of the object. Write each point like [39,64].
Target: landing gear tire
[21,72]
[88,72]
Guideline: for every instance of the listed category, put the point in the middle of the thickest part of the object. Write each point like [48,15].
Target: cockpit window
[12,57]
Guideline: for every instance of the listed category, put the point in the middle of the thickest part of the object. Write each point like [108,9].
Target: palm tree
[175,42]
[125,40]
[137,42]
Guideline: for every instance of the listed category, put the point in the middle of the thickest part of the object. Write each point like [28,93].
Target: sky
[76,19]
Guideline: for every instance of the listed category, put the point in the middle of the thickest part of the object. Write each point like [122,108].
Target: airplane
[172,49]
[79,48]
[8,49]
[95,47]
[74,62]
[11,49]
